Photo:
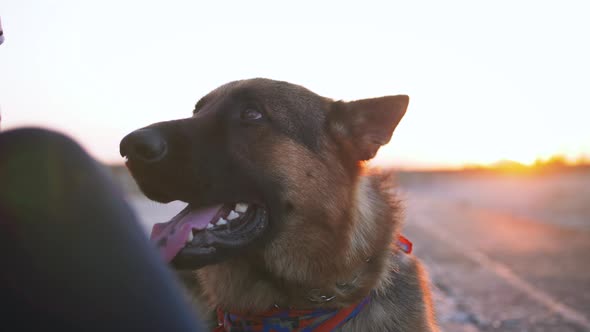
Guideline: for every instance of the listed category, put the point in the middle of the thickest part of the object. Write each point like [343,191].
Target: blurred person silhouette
[74,257]
[1,33]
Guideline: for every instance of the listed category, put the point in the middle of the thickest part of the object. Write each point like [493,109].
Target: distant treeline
[556,164]
[550,165]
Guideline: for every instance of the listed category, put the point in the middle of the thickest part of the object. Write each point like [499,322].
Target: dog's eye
[250,114]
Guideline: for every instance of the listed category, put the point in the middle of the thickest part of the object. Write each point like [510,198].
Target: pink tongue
[170,237]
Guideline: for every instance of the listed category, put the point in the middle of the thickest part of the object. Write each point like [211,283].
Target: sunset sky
[487,80]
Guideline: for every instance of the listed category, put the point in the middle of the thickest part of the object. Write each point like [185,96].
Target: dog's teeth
[241,207]
[190,236]
[221,222]
[232,215]
[209,226]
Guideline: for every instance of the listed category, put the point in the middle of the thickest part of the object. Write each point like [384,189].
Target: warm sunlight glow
[479,91]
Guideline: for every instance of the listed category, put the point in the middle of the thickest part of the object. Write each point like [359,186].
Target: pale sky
[487,80]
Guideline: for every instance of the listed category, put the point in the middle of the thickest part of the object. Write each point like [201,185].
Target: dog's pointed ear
[363,126]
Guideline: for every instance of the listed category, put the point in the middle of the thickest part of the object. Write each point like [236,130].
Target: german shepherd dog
[285,229]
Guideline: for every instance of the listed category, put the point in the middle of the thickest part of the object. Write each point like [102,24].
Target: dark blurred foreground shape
[1,32]
[73,256]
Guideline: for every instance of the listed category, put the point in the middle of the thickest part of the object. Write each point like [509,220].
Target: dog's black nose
[144,145]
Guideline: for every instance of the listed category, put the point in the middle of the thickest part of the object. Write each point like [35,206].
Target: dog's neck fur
[372,222]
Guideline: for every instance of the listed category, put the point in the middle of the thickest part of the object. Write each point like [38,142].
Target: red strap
[405,244]
[220,318]
[328,325]
[336,321]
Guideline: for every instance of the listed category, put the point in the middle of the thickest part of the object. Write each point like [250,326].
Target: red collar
[285,320]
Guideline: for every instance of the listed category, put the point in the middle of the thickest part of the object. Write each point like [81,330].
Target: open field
[504,252]
[562,198]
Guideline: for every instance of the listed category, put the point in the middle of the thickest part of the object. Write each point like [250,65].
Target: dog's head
[258,159]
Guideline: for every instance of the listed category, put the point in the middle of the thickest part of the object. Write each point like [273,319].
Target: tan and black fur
[333,224]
